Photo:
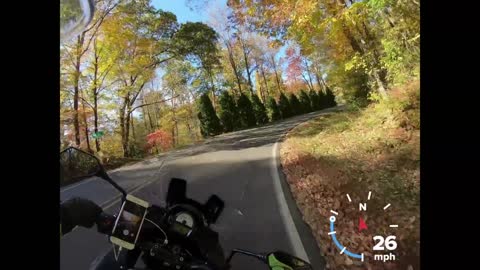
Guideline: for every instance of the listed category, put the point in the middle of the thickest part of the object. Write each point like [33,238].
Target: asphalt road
[242,168]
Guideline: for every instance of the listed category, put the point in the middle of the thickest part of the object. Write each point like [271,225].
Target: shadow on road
[249,138]
[252,219]
[235,166]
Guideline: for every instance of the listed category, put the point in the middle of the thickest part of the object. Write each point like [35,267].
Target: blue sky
[184,13]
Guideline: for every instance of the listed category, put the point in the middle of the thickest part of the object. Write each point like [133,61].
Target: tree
[210,124]
[138,40]
[228,112]
[245,110]
[160,138]
[380,38]
[259,110]
[295,104]
[330,98]
[141,39]
[72,53]
[198,42]
[244,38]
[314,103]
[273,111]
[218,18]
[294,64]
[284,106]
[276,66]
[322,100]
[305,101]
[203,125]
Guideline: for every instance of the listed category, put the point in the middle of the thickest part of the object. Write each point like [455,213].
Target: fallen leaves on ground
[324,166]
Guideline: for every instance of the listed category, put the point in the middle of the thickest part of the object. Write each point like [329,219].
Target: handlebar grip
[105,223]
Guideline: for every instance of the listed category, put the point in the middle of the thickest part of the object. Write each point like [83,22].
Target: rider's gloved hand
[78,212]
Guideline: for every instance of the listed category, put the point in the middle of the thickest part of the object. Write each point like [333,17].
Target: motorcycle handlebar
[105,223]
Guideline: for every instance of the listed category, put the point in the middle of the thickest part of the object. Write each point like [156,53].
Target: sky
[185,13]
[194,11]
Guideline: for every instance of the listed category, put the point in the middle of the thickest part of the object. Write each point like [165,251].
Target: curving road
[241,167]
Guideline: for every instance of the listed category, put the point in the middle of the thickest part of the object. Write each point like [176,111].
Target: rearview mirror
[282,260]
[76,164]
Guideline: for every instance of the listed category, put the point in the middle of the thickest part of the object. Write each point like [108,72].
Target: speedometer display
[185,219]
[181,229]
[183,223]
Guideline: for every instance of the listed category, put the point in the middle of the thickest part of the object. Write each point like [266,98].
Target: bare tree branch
[84,100]
[151,103]
[97,25]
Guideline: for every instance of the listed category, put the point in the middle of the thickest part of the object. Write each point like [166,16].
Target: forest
[137,82]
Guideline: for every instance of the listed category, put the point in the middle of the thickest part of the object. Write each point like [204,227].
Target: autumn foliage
[160,140]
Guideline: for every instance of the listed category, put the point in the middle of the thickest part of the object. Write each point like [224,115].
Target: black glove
[78,212]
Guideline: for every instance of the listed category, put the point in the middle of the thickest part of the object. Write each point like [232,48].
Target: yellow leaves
[251,11]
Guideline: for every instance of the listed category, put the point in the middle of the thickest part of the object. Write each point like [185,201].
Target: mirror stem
[102,174]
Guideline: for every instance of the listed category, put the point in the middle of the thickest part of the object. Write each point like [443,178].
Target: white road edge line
[76,185]
[93,178]
[290,227]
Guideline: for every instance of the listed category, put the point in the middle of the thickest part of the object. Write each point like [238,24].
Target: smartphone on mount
[129,222]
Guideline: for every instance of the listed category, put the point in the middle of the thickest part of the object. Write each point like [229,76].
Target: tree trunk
[95,96]
[213,88]
[76,79]
[247,65]
[127,114]
[75,115]
[127,134]
[356,45]
[276,74]
[145,119]
[381,80]
[174,119]
[157,116]
[152,128]
[89,149]
[95,120]
[319,82]
[174,141]
[309,74]
[133,128]
[124,127]
[144,114]
[381,87]
[192,117]
[190,131]
[325,86]
[234,66]
[262,71]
